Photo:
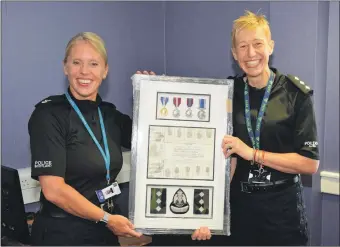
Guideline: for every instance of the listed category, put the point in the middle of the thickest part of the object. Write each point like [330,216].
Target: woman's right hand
[121,226]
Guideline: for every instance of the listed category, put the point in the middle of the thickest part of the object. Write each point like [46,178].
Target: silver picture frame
[179,176]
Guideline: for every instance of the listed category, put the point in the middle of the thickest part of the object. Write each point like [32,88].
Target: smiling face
[85,68]
[252,48]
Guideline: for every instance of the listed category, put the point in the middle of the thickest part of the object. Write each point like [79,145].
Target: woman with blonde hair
[274,141]
[75,141]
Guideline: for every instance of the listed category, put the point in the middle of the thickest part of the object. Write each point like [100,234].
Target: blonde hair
[250,21]
[95,40]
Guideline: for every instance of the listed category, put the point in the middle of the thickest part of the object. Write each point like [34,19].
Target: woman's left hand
[231,144]
[203,233]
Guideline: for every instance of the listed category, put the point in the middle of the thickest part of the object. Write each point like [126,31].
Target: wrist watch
[105,218]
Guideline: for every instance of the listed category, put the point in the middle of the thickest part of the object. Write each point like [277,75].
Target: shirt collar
[277,78]
[85,105]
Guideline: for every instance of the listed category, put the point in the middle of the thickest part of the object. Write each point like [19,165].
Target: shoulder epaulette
[108,104]
[237,76]
[52,100]
[300,84]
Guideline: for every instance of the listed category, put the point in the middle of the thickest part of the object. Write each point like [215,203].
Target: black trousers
[271,219]
[185,240]
[71,231]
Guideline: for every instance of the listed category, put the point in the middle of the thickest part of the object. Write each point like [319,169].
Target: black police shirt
[61,145]
[288,124]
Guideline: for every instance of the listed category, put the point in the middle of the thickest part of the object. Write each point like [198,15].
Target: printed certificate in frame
[179,176]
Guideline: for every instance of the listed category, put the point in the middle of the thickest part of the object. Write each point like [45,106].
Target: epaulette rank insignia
[43,102]
[51,99]
[300,84]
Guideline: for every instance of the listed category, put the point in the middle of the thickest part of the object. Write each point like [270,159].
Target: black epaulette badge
[300,84]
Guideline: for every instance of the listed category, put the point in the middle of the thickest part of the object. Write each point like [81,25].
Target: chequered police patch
[201,201]
[158,201]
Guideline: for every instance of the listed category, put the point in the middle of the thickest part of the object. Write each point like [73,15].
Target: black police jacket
[61,145]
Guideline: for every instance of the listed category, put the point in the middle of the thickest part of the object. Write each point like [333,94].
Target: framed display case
[179,177]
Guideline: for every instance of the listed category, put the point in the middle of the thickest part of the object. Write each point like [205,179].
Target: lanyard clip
[108,177]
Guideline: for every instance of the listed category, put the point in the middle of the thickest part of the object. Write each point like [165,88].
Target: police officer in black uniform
[76,141]
[274,141]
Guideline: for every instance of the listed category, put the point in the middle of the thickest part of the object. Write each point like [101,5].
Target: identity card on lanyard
[260,175]
[110,190]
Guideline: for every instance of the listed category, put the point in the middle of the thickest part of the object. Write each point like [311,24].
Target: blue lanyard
[256,140]
[105,155]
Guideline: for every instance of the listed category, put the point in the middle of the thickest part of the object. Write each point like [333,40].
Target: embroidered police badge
[179,204]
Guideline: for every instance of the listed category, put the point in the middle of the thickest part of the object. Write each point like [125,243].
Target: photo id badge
[259,175]
[108,192]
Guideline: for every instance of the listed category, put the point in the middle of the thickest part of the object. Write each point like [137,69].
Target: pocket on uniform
[289,212]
